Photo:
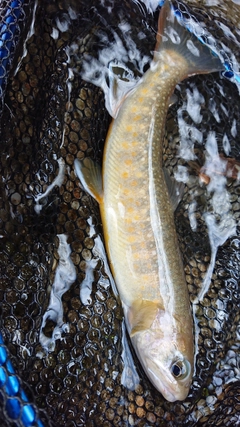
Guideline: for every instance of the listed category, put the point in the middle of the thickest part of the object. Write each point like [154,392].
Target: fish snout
[168,380]
[167,368]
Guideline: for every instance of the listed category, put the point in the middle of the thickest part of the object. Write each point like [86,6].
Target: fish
[137,211]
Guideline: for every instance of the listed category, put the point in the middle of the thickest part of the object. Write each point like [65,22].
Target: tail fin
[173,36]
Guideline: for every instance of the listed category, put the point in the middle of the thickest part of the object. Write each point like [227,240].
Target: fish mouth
[161,386]
[166,384]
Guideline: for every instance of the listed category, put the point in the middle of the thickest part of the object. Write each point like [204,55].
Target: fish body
[137,213]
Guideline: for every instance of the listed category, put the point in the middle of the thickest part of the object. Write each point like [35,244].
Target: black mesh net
[63,352]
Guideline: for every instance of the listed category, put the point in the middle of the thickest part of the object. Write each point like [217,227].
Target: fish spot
[125,145]
[130,229]
[132,239]
[130,210]
[137,117]
[128,162]
[125,175]
[144,91]
[126,192]
[134,144]
[128,221]
[136,217]
[134,109]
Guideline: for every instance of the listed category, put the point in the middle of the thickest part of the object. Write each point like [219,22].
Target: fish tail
[172,36]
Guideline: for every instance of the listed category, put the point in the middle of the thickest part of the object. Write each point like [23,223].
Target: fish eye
[180,369]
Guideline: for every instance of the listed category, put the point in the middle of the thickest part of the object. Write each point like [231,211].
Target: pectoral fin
[90,176]
[121,82]
[141,315]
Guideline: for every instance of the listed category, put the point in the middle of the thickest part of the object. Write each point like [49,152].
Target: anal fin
[175,189]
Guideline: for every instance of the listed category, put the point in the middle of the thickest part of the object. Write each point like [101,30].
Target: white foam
[110,72]
[218,234]
[181,174]
[228,33]
[86,284]
[64,24]
[212,2]
[192,216]
[73,15]
[186,147]
[213,108]
[57,181]
[69,80]
[226,144]
[224,109]
[234,128]
[189,134]
[220,222]
[194,102]
[55,33]
[151,5]
[64,277]
[29,35]
[108,7]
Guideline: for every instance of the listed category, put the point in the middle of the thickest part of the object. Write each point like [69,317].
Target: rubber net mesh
[65,358]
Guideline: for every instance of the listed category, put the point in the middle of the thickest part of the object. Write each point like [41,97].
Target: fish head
[165,351]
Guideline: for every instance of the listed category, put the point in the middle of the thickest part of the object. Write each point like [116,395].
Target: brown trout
[137,213]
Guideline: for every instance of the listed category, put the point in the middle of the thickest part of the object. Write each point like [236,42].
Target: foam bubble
[64,277]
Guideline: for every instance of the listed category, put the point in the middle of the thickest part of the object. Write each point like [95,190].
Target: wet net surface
[15,18]
[51,113]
